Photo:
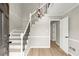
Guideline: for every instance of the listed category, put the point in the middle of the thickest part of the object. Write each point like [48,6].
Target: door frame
[52,20]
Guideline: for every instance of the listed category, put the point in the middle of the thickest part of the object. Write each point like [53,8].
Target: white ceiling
[59,9]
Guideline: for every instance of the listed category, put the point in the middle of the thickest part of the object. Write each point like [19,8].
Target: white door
[64,34]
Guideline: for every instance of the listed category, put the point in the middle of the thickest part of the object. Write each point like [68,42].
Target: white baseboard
[70,53]
[58,44]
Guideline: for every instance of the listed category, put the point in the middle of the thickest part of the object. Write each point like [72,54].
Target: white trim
[49,31]
[22,45]
[54,19]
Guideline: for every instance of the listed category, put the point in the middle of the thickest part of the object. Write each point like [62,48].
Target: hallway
[53,51]
[26,31]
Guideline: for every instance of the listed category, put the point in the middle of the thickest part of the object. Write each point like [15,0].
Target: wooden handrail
[38,8]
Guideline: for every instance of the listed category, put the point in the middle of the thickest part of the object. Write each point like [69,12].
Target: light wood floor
[55,50]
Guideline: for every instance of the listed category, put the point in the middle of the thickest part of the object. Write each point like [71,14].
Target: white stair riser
[15,33]
[15,46]
[15,37]
[18,31]
[15,41]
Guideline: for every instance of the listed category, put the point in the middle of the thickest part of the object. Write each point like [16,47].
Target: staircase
[15,45]
[37,32]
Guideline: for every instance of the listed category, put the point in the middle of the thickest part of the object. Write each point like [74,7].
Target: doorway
[59,33]
[55,39]
[55,32]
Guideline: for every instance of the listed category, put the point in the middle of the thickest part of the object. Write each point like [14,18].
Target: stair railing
[32,18]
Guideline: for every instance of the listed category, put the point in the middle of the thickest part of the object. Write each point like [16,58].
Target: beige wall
[74,30]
